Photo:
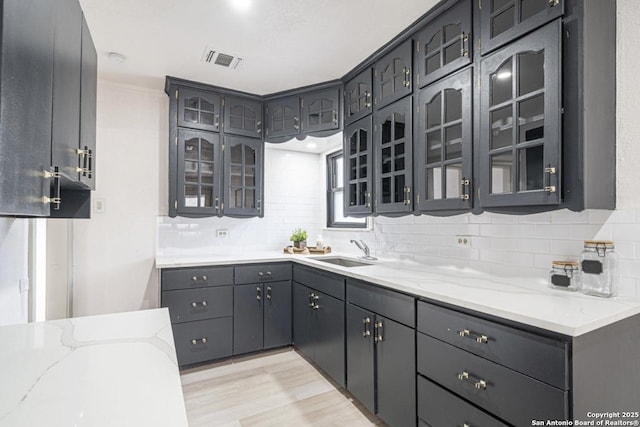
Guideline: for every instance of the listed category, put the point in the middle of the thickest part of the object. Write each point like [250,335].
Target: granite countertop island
[525,300]
[109,370]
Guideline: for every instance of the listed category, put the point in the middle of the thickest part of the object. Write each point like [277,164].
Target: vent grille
[212,56]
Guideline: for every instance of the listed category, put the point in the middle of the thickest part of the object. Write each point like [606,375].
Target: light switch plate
[100,205]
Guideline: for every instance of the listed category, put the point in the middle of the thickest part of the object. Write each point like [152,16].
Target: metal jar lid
[599,244]
[567,265]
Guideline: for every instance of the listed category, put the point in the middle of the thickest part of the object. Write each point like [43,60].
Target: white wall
[14,237]
[114,252]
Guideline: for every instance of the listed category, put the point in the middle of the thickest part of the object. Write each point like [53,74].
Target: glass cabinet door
[444,45]
[243,117]
[283,118]
[392,75]
[502,21]
[320,110]
[357,149]
[199,109]
[520,141]
[358,97]
[199,171]
[243,163]
[393,157]
[443,150]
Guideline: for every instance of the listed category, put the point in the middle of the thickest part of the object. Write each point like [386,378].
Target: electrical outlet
[463,241]
[222,233]
[100,205]
[24,285]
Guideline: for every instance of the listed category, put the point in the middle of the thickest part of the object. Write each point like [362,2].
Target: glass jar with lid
[599,264]
[565,275]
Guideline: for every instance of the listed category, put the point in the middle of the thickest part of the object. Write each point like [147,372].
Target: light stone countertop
[110,370]
[527,301]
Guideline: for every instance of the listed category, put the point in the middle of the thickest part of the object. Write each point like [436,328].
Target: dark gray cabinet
[520,122]
[318,329]
[42,110]
[242,116]
[358,167]
[199,173]
[199,109]
[393,156]
[282,117]
[321,111]
[358,97]
[200,303]
[381,364]
[262,307]
[392,75]
[443,145]
[445,44]
[88,100]
[67,65]
[502,21]
[261,316]
[243,171]
[26,86]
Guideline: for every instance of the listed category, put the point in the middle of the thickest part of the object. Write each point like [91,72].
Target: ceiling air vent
[211,56]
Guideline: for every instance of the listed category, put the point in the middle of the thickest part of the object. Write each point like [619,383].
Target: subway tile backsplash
[506,245]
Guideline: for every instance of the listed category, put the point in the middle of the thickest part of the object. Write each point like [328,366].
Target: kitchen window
[335,195]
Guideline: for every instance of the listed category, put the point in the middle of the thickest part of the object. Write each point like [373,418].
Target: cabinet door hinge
[223,148]
[222,102]
[418,78]
[418,199]
[176,139]
[175,204]
[479,45]
[480,4]
[302,103]
[176,93]
[479,82]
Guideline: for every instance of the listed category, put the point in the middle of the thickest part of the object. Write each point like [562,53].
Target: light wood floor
[274,389]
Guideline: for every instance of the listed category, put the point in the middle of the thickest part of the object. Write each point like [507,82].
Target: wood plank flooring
[275,389]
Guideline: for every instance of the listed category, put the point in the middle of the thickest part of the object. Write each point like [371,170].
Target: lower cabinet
[200,303]
[262,316]
[381,364]
[318,329]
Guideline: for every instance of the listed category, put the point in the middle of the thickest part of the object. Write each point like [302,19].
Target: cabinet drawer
[322,281]
[203,340]
[257,273]
[438,407]
[198,304]
[507,394]
[537,356]
[393,305]
[198,277]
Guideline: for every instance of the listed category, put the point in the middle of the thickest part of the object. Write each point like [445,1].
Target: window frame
[331,190]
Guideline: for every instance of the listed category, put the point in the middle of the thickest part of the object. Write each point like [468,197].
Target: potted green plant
[299,238]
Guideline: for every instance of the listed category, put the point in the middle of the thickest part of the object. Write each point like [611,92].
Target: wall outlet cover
[222,233]
[463,241]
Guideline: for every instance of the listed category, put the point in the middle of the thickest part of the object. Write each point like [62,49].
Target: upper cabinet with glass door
[502,21]
[283,118]
[444,45]
[392,75]
[321,111]
[243,116]
[393,158]
[358,175]
[243,168]
[358,97]
[443,147]
[520,122]
[198,109]
[199,174]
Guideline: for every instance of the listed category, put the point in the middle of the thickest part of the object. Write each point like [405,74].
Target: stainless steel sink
[344,262]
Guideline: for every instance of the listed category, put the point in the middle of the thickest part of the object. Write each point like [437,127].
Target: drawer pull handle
[366,331]
[260,274]
[197,341]
[195,278]
[477,383]
[195,304]
[479,338]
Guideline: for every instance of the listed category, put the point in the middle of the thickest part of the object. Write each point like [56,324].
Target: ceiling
[284,43]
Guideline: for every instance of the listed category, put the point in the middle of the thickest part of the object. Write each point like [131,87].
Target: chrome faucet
[364,248]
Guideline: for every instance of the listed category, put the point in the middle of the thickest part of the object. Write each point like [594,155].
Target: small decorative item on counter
[599,264]
[319,242]
[299,238]
[565,275]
